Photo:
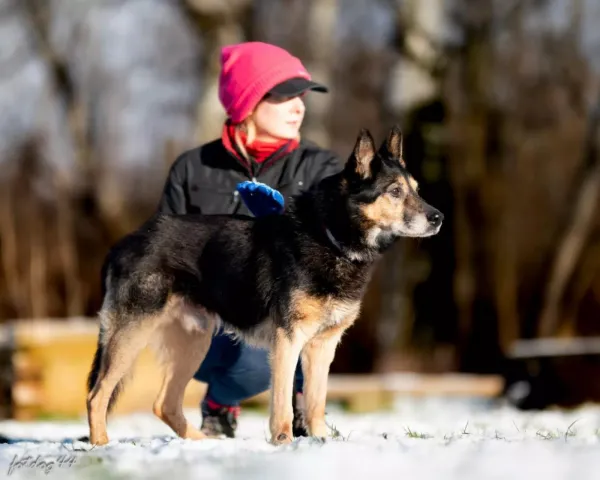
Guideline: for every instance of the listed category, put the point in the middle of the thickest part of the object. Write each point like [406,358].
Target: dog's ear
[363,154]
[393,144]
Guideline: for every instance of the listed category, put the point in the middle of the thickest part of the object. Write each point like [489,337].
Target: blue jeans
[235,371]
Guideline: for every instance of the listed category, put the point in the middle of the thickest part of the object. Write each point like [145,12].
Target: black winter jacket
[204,179]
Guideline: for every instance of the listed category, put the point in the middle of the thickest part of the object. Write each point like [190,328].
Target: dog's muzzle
[435,218]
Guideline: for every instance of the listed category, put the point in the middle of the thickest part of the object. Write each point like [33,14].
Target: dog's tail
[103,338]
[96,364]
[95,373]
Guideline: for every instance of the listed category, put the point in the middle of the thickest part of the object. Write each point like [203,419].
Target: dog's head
[383,196]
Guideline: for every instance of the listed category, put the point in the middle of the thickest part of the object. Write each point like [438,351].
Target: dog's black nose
[435,218]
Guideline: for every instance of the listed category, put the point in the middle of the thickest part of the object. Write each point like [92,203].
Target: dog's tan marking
[364,152]
[312,318]
[120,351]
[317,356]
[413,184]
[312,315]
[307,313]
[181,345]
[394,144]
[180,335]
[386,210]
[284,358]
[305,319]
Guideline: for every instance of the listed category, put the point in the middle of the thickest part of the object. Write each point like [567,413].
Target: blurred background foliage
[499,103]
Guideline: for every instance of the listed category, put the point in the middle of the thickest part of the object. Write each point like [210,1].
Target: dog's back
[201,259]
[143,267]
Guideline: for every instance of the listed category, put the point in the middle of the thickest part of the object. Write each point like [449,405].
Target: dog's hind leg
[118,352]
[181,346]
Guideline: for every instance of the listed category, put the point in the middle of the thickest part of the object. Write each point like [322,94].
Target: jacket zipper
[254,170]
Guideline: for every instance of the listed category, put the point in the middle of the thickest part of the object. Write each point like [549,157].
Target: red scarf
[258,150]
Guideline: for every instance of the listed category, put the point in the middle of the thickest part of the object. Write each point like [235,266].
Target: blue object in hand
[261,199]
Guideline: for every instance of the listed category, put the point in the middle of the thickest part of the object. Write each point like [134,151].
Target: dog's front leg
[317,356]
[284,358]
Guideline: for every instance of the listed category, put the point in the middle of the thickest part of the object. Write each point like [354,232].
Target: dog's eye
[396,191]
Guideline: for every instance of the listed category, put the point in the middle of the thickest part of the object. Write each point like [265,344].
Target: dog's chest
[338,313]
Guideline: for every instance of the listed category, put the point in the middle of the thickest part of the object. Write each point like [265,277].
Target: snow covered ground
[420,439]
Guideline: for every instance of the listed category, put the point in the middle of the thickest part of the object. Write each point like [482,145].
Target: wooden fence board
[51,361]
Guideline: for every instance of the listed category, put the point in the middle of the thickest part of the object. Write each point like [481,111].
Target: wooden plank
[444,384]
[363,389]
[45,331]
[52,360]
[61,388]
[51,363]
[554,347]
[25,367]
[356,390]
[27,393]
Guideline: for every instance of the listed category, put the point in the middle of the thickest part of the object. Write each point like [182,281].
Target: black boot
[217,421]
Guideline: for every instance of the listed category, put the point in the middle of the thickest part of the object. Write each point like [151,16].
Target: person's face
[278,117]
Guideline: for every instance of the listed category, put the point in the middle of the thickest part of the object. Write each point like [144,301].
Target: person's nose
[298,105]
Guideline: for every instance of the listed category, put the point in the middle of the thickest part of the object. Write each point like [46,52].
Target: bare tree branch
[577,231]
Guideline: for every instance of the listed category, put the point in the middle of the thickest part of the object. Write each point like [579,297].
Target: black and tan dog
[291,283]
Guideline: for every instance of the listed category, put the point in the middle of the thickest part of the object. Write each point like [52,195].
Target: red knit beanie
[249,71]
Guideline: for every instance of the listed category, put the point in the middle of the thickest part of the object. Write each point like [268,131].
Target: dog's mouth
[433,230]
[382,236]
[419,225]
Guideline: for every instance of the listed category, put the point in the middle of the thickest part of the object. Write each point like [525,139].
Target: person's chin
[290,132]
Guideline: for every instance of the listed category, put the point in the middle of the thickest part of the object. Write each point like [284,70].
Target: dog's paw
[281,439]
[319,429]
[193,434]
[100,441]
[318,440]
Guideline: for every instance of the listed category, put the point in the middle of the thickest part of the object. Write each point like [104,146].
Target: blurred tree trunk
[504,208]
[509,110]
[419,26]
[218,24]
[307,30]
[579,223]
[40,260]
[135,71]
[410,83]
[30,98]
[320,59]
[469,130]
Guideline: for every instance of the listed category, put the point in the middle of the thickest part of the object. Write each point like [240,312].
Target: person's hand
[261,199]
